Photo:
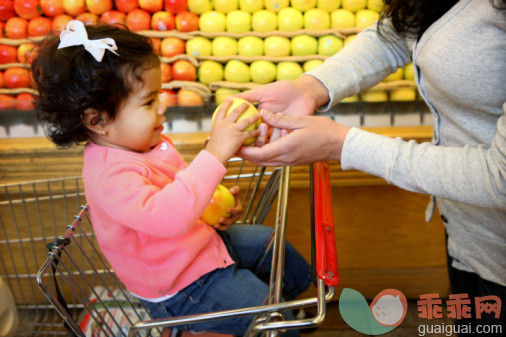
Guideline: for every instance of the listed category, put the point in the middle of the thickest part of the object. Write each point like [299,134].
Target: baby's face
[139,121]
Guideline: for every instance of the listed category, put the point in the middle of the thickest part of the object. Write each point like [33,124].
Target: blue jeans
[237,286]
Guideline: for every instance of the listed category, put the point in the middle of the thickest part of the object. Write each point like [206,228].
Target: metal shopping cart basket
[84,290]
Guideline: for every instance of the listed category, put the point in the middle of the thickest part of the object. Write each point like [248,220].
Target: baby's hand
[227,135]
[235,212]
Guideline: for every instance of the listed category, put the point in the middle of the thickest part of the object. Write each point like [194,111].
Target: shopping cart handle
[325,242]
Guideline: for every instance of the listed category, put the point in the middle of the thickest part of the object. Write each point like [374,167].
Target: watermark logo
[386,311]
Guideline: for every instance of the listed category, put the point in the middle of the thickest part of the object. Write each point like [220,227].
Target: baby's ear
[94,120]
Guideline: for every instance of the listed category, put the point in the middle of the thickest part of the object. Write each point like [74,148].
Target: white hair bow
[75,34]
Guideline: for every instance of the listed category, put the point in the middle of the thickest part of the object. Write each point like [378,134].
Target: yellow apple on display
[225,6]
[250,111]
[375,5]
[275,5]
[349,38]
[224,46]
[354,5]
[237,71]
[210,71]
[200,6]
[374,96]
[250,46]
[303,45]
[212,21]
[262,72]
[311,64]
[395,76]
[409,71]
[403,94]
[222,93]
[251,6]
[365,18]
[277,46]
[288,70]
[221,201]
[303,5]
[328,5]
[342,18]
[329,45]
[264,21]
[290,19]
[238,21]
[316,19]
[198,46]
[350,99]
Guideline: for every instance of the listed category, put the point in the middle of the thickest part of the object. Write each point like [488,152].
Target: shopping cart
[86,293]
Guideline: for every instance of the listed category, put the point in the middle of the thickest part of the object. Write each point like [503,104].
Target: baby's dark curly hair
[70,80]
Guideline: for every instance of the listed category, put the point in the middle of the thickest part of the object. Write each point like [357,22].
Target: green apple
[303,45]
[250,111]
[374,96]
[328,5]
[288,70]
[200,6]
[395,76]
[262,72]
[224,46]
[354,5]
[409,71]
[342,18]
[221,201]
[221,93]
[275,5]
[237,71]
[349,38]
[376,5]
[403,94]
[277,46]
[225,6]
[210,71]
[303,5]
[198,46]
[238,21]
[212,21]
[316,19]
[264,21]
[350,99]
[250,46]
[329,45]
[365,18]
[251,6]
[311,64]
[290,19]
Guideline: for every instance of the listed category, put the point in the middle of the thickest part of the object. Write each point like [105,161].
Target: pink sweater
[145,210]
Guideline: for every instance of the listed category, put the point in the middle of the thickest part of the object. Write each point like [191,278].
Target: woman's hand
[309,139]
[235,212]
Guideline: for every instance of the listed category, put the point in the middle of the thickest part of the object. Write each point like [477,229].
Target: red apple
[186,97]
[2,28]
[138,19]
[163,21]
[156,45]
[16,28]
[166,72]
[8,54]
[89,19]
[176,6]
[60,22]
[27,9]
[187,21]
[39,26]
[168,97]
[2,83]
[74,7]
[16,77]
[183,70]
[26,53]
[151,6]
[172,46]
[24,101]
[7,10]
[98,6]
[52,8]
[125,6]
[113,18]
[6,102]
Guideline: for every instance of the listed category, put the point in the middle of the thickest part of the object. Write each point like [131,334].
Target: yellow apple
[264,21]
[375,5]
[275,5]
[350,99]
[349,38]
[316,19]
[224,46]
[221,93]
[354,5]
[403,94]
[365,18]
[238,21]
[251,6]
[237,71]
[409,71]
[328,5]
[329,45]
[342,18]
[262,72]
[303,5]
[217,208]
[251,46]
[288,70]
[290,19]
[250,111]
[198,46]
[225,6]
[210,71]
[200,6]
[396,76]
[311,64]
[212,21]
[277,46]
[374,96]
